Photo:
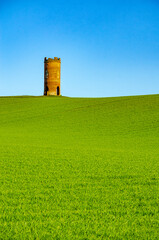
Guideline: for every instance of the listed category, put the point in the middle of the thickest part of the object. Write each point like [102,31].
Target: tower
[52,75]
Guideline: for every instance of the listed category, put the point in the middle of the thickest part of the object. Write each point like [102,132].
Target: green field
[79,168]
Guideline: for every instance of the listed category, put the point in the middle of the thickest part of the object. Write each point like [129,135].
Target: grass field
[74,168]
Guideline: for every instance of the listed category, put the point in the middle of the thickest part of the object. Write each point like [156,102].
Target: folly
[52,75]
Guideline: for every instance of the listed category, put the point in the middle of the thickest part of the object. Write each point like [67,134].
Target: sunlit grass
[74,168]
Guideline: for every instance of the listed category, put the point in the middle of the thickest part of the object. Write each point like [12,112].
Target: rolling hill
[79,168]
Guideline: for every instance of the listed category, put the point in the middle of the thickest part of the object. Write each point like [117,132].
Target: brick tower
[52,75]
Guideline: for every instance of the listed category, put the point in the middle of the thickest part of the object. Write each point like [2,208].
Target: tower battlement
[52,76]
[55,59]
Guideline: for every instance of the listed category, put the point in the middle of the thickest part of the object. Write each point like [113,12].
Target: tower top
[55,59]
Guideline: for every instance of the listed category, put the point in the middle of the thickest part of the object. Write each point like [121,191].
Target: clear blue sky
[107,47]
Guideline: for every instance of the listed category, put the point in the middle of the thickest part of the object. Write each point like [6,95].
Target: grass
[76,168]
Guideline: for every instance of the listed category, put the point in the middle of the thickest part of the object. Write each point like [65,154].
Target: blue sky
[107,47]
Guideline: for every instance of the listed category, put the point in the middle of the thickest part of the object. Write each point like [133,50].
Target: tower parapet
[55,59]
[52,76]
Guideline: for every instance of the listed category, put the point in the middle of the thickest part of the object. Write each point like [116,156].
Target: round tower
[52,75]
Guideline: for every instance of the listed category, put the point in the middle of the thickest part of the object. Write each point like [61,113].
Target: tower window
[46,73]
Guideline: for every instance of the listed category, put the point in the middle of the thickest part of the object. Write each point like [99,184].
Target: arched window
[46,73]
